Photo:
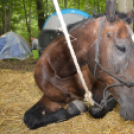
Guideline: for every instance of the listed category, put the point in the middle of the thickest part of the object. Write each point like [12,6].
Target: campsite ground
[27,65]
[18,92]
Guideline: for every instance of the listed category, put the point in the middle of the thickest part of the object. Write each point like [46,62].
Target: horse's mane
[121,15]
[73,26]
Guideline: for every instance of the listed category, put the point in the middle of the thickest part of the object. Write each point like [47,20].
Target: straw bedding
[18,92]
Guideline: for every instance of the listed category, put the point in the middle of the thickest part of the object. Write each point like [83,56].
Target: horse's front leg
[50,108]
[39,115]
[106,104]
[98,112]
[45,106]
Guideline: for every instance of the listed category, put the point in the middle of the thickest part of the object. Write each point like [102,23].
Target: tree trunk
[65,3]
[25,12]
[40,12]
[78,6]
[125,6]
[0,21]
[5,16]
[28,19]
[9,17]
[5,19]
[98,6]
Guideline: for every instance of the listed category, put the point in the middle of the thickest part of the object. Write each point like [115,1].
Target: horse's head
[116,55]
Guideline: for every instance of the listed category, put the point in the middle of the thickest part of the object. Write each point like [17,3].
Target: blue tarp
[14,46]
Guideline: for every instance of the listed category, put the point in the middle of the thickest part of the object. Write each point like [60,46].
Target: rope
[106,98]
[97,61]
[88,94]
[128,84]
[97,45]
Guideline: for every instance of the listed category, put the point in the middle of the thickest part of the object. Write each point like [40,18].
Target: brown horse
[55,73]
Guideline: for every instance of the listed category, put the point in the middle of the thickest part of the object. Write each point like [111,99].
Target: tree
[6,15]
[28,16]
[65,3]
[40,12]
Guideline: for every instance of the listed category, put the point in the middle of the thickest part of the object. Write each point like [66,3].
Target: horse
[107,72]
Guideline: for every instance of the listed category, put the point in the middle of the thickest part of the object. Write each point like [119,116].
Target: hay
[18,92]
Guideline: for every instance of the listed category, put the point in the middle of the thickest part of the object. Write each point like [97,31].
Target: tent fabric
[46,37]
[70,16]
[14,46]
[52,27]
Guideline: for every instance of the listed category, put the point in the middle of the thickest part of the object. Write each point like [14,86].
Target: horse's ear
[130,16]
[110,10]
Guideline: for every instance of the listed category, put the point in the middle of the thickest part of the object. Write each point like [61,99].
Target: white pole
[88,94]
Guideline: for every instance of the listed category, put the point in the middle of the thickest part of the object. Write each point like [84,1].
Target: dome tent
[14,46]
[52,27]
[70,16]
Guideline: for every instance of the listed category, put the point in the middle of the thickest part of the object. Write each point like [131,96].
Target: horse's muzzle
[127,108]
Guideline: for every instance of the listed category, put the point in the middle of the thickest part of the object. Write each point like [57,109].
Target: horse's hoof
[32,121]
[97,112]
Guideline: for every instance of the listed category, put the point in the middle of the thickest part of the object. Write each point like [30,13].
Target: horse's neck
[82,39]
[86,39]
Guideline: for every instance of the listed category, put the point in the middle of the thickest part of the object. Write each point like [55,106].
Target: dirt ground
[17,65]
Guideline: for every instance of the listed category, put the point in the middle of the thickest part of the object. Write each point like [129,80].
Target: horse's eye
[121,48]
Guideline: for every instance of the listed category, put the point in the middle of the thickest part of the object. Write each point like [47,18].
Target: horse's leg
[97,91]
[44,106]
[50,108]
[36,116]
[96,112]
